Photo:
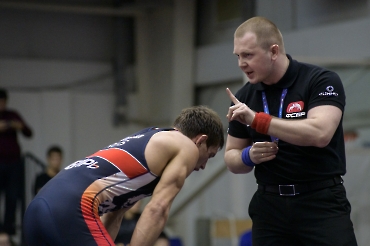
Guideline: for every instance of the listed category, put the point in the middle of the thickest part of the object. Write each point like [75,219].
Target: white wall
[81,123]
[343,41]
[339,42]
[38,73]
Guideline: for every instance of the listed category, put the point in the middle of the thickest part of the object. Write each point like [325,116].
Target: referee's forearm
[234,163]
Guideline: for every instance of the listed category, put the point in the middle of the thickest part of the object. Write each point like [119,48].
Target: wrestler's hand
[239,111]
[263,151]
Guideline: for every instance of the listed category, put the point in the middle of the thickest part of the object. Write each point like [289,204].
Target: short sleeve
[327,89]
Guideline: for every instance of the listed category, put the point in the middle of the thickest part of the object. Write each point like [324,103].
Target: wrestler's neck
[280,67]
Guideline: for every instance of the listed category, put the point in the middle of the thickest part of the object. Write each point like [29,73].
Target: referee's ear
[275,50]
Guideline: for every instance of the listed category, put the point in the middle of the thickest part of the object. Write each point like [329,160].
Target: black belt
[295,189]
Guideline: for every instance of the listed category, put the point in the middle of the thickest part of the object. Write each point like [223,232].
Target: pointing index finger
[232,97]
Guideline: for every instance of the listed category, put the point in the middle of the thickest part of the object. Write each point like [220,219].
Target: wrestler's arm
[155,214]
[112,222]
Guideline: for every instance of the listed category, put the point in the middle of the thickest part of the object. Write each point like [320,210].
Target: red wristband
[261,122]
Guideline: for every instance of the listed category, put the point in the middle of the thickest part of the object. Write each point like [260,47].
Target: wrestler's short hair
[201,120]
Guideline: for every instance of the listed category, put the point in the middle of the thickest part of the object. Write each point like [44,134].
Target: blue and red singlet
[67,210]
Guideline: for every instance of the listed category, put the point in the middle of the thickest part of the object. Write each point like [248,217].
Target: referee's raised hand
[239,111]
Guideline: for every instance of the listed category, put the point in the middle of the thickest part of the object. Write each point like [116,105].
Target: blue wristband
[245,157]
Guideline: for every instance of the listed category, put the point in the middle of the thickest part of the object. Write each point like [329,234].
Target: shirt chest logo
[294,110]
[295,107]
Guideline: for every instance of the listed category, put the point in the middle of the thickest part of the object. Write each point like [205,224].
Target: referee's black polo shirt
[308,86]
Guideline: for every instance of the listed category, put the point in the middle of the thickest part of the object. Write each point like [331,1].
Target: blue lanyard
[266,108]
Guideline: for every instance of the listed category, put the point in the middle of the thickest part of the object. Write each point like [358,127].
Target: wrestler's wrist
[246,158]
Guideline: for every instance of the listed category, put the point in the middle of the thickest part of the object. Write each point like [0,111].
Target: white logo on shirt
[123,141]
[329,92]
[89,163]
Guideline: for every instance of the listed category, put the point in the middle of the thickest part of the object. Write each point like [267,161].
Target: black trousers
[10,187]
[314,218]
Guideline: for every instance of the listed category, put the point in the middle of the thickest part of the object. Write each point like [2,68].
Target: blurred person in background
[128,224]
[11,168]
[54,158]
[162,240]
[5,239]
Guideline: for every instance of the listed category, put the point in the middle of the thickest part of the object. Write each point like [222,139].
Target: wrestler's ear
[201,138]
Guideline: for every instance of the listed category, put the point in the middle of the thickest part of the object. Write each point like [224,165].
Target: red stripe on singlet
[123,160]
[130,167]
[95,225]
